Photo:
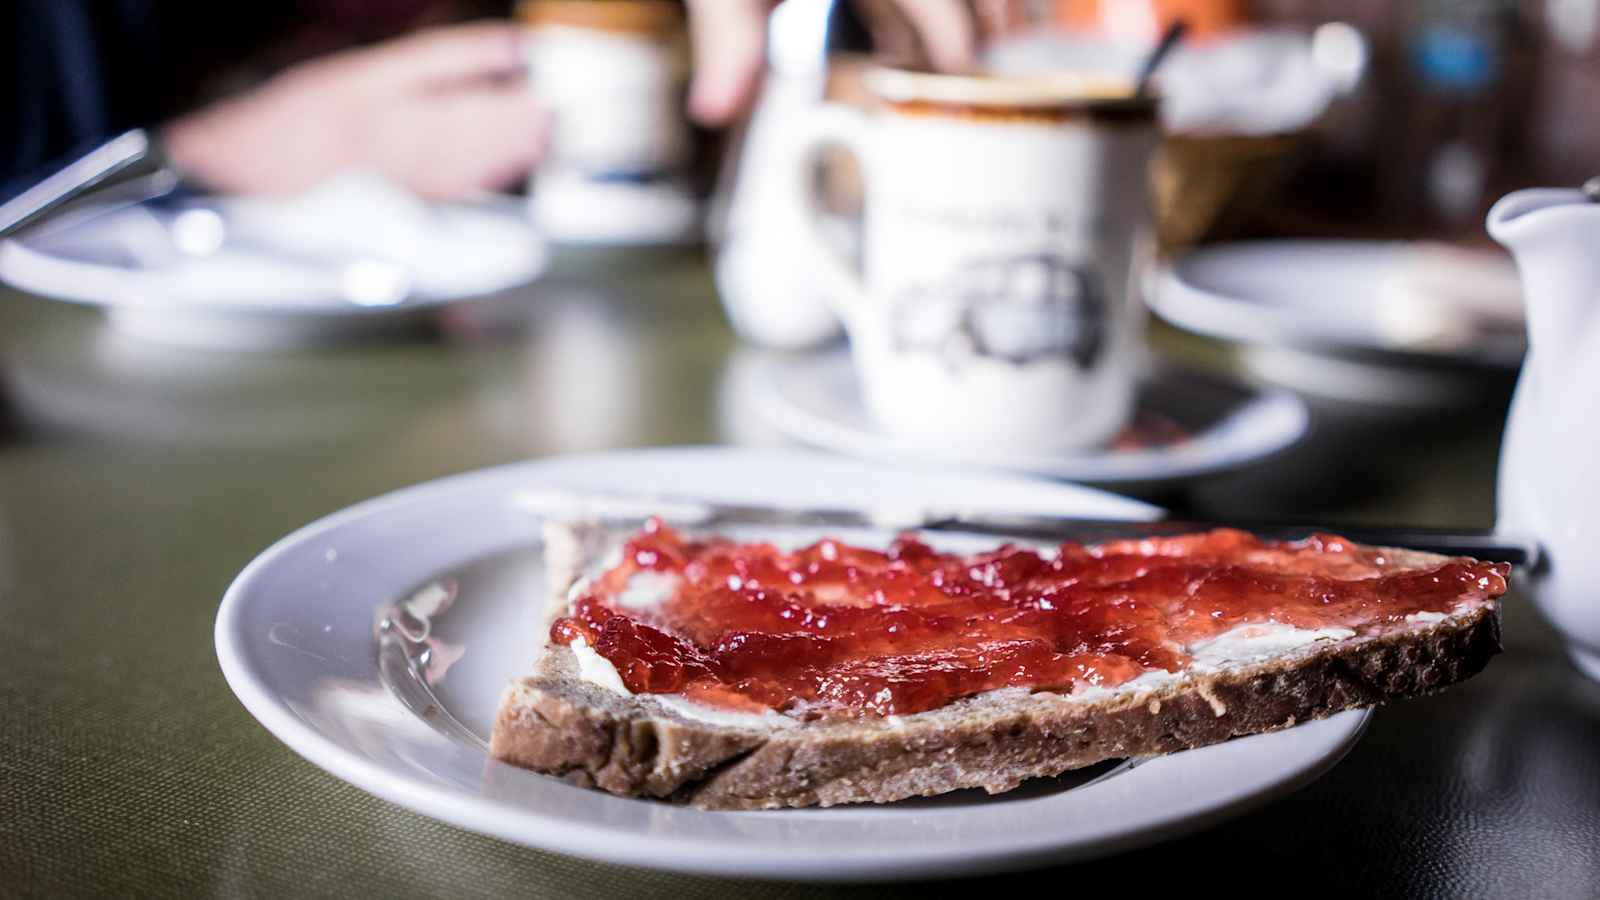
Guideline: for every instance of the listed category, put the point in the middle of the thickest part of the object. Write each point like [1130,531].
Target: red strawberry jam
[747,626]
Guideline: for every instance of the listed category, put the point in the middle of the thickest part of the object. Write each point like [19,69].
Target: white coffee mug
[612,75]
[1002,217]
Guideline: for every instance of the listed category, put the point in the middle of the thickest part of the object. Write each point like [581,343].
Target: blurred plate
[1186,425]
[457,569]
[352,257]
[574,208]
[1398,301]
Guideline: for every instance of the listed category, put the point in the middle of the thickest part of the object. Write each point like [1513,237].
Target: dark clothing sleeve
[82,71]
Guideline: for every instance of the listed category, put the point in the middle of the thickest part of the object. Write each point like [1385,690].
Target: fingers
[426,110]
[507,133]
[454,53]
[477,139]
[942,34]
[947,29]
[729,38]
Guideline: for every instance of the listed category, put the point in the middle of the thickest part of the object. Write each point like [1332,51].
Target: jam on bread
[836,629]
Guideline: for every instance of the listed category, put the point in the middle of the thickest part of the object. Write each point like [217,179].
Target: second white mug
[1002,217]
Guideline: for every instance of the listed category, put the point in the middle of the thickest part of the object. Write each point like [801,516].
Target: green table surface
[136,480]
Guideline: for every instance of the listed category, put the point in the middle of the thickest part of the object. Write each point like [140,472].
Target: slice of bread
[560,722]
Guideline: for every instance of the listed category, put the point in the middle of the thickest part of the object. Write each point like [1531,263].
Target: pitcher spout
[1554,234]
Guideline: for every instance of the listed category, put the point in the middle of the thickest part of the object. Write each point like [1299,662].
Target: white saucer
[405,717]
[815,399]
[574,209]
[353,257]
[1405,301]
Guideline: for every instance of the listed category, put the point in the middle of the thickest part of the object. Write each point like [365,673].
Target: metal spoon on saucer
[134,157]
[133,168]
[1163,48]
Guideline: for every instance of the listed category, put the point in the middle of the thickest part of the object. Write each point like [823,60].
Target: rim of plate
[108,287]
[1187,807]
[1272,421]
[1202,309]
[1197,307]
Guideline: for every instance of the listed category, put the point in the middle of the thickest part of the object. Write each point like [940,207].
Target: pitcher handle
[837,125]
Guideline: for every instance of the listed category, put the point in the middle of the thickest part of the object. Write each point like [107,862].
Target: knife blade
[692,512]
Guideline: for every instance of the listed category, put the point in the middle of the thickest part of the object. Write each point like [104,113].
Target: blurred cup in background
[1002,217]
[771,296]
[613,74]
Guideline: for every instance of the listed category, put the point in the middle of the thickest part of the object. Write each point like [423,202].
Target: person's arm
[445,112]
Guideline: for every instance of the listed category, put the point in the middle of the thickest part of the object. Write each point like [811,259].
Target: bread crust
[557,723]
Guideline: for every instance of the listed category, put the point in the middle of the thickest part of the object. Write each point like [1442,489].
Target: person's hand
[445,112]
[729,38]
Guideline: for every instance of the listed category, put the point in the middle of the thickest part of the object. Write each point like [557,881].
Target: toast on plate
[978,671]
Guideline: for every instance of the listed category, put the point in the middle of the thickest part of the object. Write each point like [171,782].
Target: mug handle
[824,125]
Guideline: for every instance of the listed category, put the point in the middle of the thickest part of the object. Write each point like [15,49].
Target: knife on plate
[699,513]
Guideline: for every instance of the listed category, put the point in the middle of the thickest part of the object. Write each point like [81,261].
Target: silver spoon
[133,167]
[1170,39]
[133,156]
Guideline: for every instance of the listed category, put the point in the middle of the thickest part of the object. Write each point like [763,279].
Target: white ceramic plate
[275,280]
[1224,425]
[1423,302]
[407,717]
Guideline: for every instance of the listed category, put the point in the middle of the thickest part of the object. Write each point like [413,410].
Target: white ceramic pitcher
[1550,463]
